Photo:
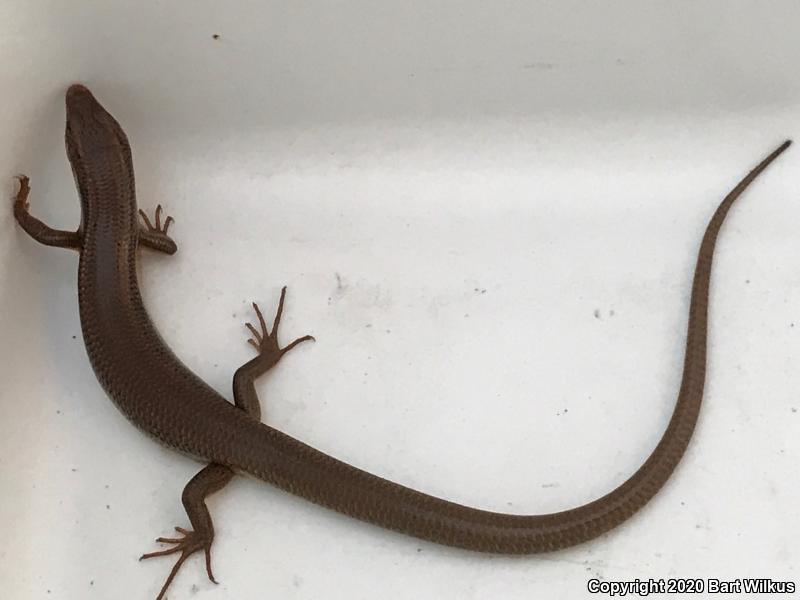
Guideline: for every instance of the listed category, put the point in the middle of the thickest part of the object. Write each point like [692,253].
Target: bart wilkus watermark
[645,587]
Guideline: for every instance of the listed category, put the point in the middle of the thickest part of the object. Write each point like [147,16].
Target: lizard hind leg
[265,341]
[209,480]
[214,477]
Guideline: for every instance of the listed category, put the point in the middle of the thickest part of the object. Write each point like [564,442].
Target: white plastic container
[486,212]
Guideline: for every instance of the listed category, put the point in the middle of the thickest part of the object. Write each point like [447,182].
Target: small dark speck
[566,410]
[74,470]
[794,410]
[539,66]
[747,281]
[106,486]
[368,325]
[611,313]
[58,412]
[108,507]
[549,485]
[388,331]
[596,313]
[91,582]
[419,549]
[74,337]
[683,503]
[194,589]
[48,591]
[215,36]
[791,325]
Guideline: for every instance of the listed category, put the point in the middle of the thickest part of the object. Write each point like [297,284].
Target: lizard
[162,397]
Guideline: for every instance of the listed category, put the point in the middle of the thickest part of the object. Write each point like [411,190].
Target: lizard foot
[156,236]
[187,545]
[21,204]
[157,228]
[266,342]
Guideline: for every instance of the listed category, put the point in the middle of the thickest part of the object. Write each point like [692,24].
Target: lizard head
[98,152]
[91,131]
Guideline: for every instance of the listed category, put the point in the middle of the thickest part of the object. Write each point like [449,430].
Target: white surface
[487,214]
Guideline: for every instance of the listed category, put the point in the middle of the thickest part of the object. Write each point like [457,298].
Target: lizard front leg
[35,228]
[151,236]
[155,236]
[214,477]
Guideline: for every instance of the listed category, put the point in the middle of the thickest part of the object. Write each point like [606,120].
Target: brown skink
[166,400]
